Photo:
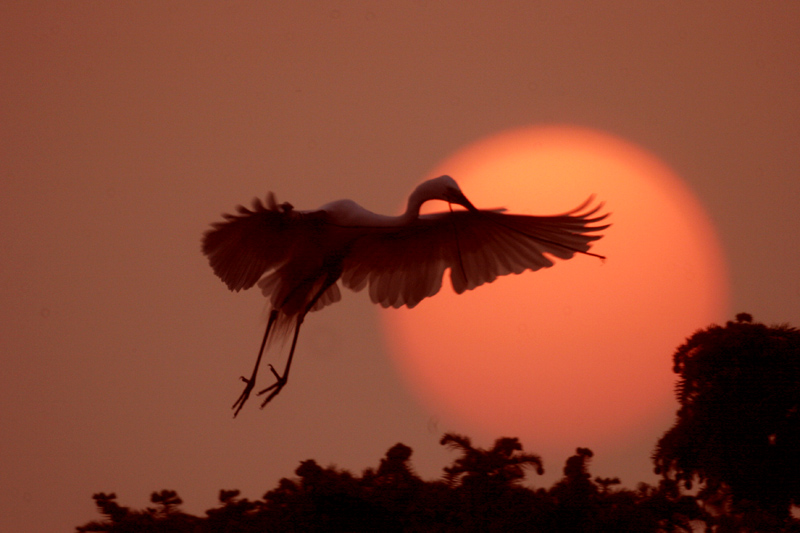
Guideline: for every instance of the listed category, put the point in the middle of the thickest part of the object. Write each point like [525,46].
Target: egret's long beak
[460,199]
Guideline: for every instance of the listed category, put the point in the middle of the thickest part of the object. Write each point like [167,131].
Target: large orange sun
[578,354]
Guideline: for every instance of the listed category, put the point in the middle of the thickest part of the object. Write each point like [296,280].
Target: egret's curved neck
[415,201]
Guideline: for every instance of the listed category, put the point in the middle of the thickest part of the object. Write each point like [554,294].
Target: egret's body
[297,257]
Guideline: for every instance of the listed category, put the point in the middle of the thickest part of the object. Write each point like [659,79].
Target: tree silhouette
[395,488]
[486,485]
[235,515]
[737,434]
[576,494]
[107,506]
[584,506]
[480,491]
[503,463]
[165,517]
[324,499]
[738,426]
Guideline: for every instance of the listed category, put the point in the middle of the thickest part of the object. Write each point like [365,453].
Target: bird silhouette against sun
[297,257]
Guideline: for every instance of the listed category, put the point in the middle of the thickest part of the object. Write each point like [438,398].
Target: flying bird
[298,257]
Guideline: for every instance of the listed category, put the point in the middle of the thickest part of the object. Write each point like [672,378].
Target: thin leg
[282,379]
[273,316]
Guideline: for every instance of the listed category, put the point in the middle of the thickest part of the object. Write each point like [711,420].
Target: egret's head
[445,188]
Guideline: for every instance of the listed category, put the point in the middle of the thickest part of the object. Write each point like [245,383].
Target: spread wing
[252,242]
[271,244]
[403,265]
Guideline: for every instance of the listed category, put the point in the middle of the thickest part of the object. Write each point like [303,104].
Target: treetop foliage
[480,491]
[738,427]
[735,442]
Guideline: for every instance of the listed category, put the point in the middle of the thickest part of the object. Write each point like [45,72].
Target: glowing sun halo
[578,354]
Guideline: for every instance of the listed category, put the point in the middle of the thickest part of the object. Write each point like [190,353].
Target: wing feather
[245,246]
[405,264]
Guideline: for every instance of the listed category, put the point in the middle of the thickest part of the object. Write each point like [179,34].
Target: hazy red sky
[127,128]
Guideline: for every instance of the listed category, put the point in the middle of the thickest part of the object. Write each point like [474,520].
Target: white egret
[297,257]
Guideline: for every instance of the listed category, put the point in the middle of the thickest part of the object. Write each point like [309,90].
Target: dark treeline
[731,463]
[480,491]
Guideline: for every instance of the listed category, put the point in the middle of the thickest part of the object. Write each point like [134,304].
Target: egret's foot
[275,387]
[244,396]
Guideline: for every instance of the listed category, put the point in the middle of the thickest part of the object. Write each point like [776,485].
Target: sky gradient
[127,128]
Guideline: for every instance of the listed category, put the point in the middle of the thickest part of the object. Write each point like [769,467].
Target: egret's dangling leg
[273,316]
[282,379]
